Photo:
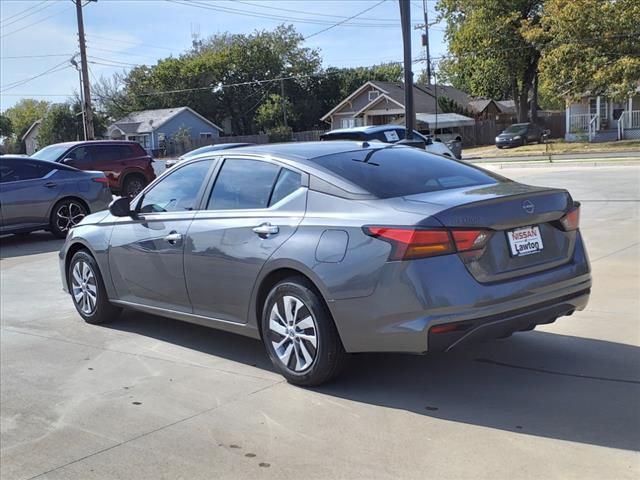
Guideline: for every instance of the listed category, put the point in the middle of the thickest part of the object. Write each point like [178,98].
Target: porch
[599,118]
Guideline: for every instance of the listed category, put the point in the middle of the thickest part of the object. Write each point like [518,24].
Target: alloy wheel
[68,215]
[134,187]
[293,333]
[84,287]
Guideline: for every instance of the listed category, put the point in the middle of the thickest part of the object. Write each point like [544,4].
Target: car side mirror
[69,161]
[121,207]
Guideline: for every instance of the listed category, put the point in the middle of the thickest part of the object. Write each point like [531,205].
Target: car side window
[243,184]
[104,153]
[18,170]
[287,183]
[125,151]
[178,191]
[81,155]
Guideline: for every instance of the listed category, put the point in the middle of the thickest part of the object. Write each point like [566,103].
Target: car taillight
[103,180]
[412,243]
[571,221]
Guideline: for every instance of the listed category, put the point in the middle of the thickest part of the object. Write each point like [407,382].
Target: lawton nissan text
[322,249]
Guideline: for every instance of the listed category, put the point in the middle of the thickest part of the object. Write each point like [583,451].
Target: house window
[206,135]
[373,94]
[348,123]
[162,140]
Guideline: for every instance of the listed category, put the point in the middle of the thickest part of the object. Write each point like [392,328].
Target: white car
[386,134]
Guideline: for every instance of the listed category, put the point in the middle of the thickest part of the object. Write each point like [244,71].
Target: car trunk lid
[502,208]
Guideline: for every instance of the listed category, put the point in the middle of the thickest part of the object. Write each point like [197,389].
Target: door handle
[50,184]
[266,229]
[173,238]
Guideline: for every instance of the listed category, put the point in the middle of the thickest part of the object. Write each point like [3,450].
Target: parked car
[386,134]
[520,134]
[38,194]
[321,249]
[203,150]
[126,164]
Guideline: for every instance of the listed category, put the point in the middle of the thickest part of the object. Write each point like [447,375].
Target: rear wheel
[299,334]
[87,290]
[66,214]
[133,185]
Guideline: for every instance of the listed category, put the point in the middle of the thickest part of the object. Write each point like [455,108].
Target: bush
[280,134]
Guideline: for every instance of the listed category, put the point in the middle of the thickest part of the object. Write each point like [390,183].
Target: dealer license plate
[525,241]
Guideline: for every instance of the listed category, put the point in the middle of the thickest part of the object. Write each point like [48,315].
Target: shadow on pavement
[31,244]
[535,383]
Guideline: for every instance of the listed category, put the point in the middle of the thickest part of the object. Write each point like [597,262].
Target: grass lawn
[554,146]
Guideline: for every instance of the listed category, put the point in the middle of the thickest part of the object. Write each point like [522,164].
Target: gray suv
[325,248]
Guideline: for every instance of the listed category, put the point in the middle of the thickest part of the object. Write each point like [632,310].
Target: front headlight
[497,139]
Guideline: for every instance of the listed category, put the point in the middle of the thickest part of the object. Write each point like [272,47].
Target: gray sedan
[38,194]
[327,248]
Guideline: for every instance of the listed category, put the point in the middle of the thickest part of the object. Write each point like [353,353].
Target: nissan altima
[323,249]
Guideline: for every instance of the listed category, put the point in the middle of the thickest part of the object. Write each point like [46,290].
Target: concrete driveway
[150,398]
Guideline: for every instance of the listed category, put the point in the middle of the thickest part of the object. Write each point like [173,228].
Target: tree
[589,46]
[447,105]
[491,55]
[6,127]
[59,124]
[22,116]
[272,111]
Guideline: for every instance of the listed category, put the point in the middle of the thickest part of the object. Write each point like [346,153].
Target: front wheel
[299,334]
[66,214]
[87,290]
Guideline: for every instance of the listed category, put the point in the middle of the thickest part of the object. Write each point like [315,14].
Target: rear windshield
[396,172]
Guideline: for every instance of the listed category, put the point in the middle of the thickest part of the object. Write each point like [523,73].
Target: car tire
[66,214]
[133,184]
[87,290]
[303,345]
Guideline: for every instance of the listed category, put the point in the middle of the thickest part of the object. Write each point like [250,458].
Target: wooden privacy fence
[484,132]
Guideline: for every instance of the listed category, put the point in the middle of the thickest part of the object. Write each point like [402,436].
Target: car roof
[301,151]
[367,129]
[93,142]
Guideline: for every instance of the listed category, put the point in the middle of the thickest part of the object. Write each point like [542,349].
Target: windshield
[51,153]
[517,128]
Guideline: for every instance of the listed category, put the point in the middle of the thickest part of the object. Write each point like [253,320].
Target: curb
[603,162]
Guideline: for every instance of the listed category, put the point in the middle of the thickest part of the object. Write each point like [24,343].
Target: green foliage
[182,135]
[589,46]
[447,105]
[59,124]
[280,134]
[271,113]
[22,116]
[490,53]
[6,127]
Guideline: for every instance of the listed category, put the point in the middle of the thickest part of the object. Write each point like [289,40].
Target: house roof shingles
[145,121]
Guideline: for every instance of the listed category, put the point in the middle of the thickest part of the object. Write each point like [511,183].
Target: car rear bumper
[411,298]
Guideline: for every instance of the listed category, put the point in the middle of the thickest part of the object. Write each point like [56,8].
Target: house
[30,138]
[484,108]
[154,128]
[380,103]
[599,118]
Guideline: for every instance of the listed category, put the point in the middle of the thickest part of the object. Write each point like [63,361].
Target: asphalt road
[149,398]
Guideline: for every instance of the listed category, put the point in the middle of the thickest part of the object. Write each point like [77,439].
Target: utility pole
[284,103]
[75,64]
[86,90]
[425,40]
[409,111]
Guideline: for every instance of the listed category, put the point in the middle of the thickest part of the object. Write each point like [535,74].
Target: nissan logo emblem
[528,206]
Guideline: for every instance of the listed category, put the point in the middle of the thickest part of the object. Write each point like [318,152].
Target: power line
[44,55]
[269,16]
[56,68]
[19,19]
[37,22]
[345,20]
[23,11]
[311,13]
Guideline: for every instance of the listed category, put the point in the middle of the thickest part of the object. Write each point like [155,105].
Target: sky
[40,36]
